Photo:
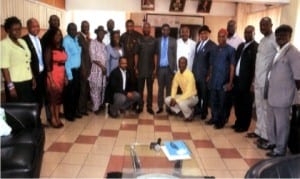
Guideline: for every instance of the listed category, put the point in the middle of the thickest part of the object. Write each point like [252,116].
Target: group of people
[113,68]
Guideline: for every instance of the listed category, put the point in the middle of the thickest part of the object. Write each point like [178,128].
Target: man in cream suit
[284,79]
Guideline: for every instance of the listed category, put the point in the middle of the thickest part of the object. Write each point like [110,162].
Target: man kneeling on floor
[186,101]
[121,93]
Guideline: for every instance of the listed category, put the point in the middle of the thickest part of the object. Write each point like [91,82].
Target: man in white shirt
[232,38]
[186,47]
[110,28]
[37,63]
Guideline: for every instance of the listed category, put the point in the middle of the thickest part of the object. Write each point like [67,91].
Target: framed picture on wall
[148,5]
[177,5]
[204,6]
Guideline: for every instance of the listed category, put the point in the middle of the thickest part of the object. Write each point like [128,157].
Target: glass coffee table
[142,162]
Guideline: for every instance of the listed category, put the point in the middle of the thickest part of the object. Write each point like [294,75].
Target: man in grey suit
[284,79]
[166,52]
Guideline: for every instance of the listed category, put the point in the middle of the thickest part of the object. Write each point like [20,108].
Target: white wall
[96,18]
[161,6]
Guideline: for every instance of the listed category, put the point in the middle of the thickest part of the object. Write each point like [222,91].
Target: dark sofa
[281,167]
[22,151]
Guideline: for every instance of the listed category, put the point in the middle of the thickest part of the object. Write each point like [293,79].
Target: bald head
[33,26]
[249,33]
[231,27]
[110,25]
[265,26]
[54,21]
[185,33]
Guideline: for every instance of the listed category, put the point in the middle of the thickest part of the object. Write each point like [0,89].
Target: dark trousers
[121,101]
[164,78]
[84,93]
[71,95]
[40,93]
[202,92]
[25,93]
[242,100]
[141,85]
[218,106]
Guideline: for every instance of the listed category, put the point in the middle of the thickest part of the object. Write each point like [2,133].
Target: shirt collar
[279,50]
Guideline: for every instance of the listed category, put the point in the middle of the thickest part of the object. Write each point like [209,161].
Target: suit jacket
[284,72]
[247,65]
[201,60]
[115,84]
[172,50]
[34,58]
[86,64]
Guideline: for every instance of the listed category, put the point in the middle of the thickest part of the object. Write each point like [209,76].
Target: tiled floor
[94,145]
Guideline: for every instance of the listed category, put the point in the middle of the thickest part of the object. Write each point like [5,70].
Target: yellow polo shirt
[16,59]
[186,82]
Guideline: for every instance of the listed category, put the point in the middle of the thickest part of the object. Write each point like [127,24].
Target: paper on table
[175,157]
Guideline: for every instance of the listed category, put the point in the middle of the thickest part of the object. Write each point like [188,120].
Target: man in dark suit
[85,68]
[201,69]
[243,79]
[121,91]
[37,64]
[166,53]
[54,22]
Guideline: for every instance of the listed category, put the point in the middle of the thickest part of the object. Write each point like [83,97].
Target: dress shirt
[123,72]
[163,62]
[237,68]
[186,82]
[266,51]
[234,41]
[186,49]
[73,51]
[222,58]
[202,44]
[106,39]
[38,49]
[279,52]
[16,59]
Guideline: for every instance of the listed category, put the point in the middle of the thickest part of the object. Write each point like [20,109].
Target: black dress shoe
[112,115]
[138,110]
[252,135]
[77,115]
[274,154]
[160,110]
[70,118]
[266,146]
[219,126]
[150,111]
[210,122]
[240,130]
[84,114]
[203,116]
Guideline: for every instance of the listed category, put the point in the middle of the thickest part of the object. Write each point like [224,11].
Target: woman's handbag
[294,138]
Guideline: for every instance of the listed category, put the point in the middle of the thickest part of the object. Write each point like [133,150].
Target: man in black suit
[166,63]
[201,69]
[54,22]
[85,68]
[243,79]
[121,91]
[37,63]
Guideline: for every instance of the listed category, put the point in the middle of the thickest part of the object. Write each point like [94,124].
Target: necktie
[200,46]
[39,53]
[164,48]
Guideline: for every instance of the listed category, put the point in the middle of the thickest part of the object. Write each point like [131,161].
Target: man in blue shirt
[72,66]
[166,65]
[221,78]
